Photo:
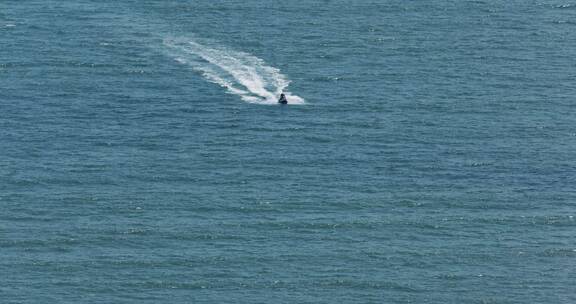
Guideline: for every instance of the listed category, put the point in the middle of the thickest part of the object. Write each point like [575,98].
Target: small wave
[565,6]
[240,73]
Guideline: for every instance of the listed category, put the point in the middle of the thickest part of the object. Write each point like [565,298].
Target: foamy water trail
[240,73]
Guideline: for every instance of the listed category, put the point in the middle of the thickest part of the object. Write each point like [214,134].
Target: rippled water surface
[427,153]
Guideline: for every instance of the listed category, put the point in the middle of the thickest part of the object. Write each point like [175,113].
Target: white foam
[240,73]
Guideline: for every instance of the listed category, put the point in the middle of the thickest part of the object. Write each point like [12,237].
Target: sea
[427,153]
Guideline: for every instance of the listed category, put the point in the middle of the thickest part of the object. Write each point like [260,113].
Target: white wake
[240,73]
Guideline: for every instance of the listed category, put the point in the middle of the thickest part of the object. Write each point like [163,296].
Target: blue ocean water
[427,154]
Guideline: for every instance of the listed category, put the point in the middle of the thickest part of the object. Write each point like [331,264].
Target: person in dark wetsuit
[283,99]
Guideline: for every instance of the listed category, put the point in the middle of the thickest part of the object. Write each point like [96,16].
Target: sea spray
[240,73]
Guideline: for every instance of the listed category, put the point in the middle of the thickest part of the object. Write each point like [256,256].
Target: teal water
[427,154]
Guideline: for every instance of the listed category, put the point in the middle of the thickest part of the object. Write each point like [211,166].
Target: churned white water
[240,73]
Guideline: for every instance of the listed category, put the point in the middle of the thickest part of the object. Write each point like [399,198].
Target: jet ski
[282,99]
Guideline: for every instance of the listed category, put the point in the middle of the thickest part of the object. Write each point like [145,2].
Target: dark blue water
[427,154]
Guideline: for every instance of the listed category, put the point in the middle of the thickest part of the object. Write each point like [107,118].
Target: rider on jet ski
[283,99]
